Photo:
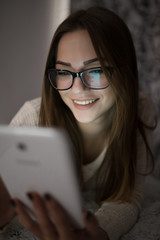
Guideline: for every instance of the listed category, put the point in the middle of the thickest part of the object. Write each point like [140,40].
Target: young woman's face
[76,53]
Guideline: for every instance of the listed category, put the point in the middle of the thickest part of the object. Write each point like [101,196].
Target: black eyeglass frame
[78,74]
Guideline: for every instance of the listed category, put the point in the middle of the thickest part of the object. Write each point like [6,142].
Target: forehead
[75,46]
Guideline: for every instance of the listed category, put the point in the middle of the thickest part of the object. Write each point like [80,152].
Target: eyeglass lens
[95,78]
[92,78]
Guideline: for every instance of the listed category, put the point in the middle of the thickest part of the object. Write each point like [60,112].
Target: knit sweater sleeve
[28,114]
[118,218]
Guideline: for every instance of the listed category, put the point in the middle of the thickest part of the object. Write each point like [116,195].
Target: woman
[91,90]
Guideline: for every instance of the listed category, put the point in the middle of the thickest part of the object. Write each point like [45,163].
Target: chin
[84,119]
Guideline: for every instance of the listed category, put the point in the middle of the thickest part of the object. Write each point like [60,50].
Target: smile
[84,102]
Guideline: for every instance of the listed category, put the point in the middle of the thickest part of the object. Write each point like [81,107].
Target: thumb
[92,226]
[90,221]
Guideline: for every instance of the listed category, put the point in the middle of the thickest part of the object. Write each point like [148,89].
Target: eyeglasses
[93,78]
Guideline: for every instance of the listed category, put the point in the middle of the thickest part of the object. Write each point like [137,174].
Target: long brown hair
[112,43]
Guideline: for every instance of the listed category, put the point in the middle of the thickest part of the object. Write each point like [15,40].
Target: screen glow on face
[87,91]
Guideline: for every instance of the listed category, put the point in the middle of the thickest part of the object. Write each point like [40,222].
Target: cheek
[61,96]
[109,96]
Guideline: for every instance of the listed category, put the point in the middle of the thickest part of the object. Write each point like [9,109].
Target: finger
[24,218]
[46,225]
[60,217]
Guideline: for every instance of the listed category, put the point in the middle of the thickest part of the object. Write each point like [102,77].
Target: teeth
[84,102]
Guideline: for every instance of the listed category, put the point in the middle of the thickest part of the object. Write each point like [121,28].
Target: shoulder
[28,114]
[146,109]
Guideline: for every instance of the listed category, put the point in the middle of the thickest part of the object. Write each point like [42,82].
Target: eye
[96,72]
[63,73]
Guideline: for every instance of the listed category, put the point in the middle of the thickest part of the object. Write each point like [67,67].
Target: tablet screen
[40,159]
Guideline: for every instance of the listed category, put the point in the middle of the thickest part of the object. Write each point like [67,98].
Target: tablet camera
[22,146]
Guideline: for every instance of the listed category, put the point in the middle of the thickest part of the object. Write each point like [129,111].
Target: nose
[78,85]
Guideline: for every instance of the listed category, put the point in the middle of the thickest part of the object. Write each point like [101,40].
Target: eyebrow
[85,62]
[90,61]
[63,63]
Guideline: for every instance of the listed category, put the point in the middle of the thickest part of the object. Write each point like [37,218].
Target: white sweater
[115,218]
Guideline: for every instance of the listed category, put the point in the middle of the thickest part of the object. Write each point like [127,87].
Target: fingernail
[89,215]
[12,202]
[30,196]
[47,197]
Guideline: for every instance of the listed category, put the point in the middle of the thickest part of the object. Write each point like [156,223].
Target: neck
[94,139]
[90,130]
[95,136]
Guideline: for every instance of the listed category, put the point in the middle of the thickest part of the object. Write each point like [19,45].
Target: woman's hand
[45,229]
[6,211]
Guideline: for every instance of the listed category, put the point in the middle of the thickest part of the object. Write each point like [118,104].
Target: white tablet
[40,159]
